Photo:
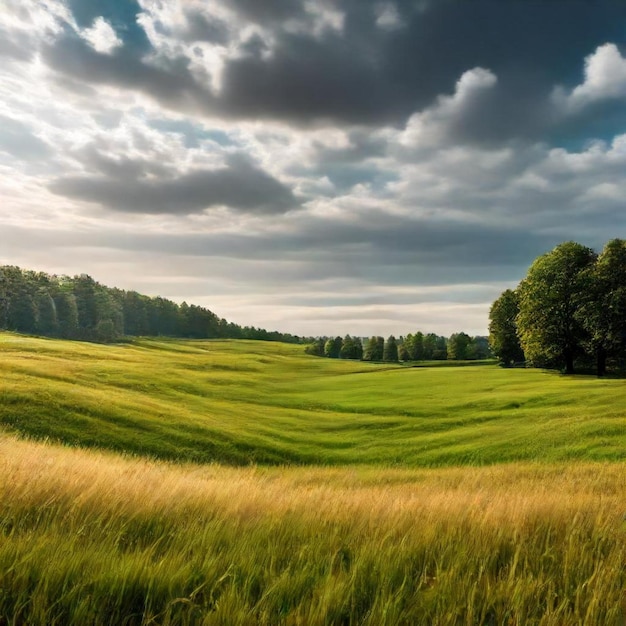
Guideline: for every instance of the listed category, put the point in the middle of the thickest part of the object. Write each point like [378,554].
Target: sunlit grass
[91,538]
[242,402]
[354,530]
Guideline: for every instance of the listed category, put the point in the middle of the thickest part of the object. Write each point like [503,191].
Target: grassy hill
[243,402]
[357,530]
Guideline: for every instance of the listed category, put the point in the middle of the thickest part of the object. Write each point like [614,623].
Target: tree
[332,348]
[403,353]
[390,352]
[603,314]
[351,348]
[458,346]
[316,348]
[550,300]
[22,313]
[417,351]
[67,314]
[374,349]
[479,348]
[135,308]
[503,337]
[47,321]
[84,289]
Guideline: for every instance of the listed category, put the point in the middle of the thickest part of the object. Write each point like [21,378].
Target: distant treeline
[78,307]
[569,311]
[413,347]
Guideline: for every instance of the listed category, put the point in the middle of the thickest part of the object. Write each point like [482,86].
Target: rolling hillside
[90,537]
[242,402]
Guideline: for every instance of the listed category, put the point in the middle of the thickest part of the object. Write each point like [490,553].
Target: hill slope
[240,402]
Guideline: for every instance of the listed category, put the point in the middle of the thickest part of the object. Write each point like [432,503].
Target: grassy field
[91,538]
[241,402]
[330,492]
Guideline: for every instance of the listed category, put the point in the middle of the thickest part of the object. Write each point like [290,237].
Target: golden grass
[94,538]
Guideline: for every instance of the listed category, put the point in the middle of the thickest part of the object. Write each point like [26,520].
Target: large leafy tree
[503,337]
[550,300]
[604,312]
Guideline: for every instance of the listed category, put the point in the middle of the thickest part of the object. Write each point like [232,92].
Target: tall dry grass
[91,538]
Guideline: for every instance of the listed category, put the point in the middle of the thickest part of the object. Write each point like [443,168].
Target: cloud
[173,86]
[18,140]
[202,27]
[102,36]
[16,45]
[269,10]
[420,143]
[430,127]
[605,79]
[344,62]
[240,186]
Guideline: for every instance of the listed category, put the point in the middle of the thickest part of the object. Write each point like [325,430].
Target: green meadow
[242,402]
[259,485]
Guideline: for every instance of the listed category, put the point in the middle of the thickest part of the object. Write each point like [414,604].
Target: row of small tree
[80,308]
[413,347]
[569,311]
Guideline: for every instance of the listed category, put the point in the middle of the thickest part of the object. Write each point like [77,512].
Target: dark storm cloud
[173,86]
[363,73]
[201,27]
[268,11]
[240,186]
[121,167]
[437,254]
[449,251]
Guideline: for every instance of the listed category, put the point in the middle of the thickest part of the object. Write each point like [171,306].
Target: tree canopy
[81,308]
[571,308]
[503,337]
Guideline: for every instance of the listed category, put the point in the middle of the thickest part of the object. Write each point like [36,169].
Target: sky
[316,167]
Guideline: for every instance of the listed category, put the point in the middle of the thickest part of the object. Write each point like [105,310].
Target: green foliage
[479,349]
[603,312]
[81,308]
[503,337]
[390,351]
[374,350]
[332,348]
[458,346]
[316,348]
[550,298]
[351,348]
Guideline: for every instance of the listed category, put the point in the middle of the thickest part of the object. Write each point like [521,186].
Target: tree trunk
[569,362]
[601,355]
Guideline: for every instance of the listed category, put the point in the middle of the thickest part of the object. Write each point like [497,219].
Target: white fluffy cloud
[102,36]
[428,128]
[605,79]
